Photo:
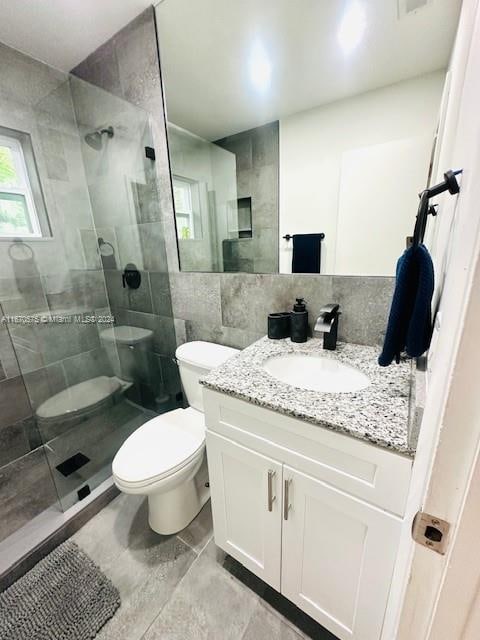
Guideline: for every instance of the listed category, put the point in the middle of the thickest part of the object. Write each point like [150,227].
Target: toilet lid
[204,354]
[160,446]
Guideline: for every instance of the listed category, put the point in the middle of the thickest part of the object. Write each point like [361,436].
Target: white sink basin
[316,373]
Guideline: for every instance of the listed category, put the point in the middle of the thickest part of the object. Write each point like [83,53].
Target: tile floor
[183,587]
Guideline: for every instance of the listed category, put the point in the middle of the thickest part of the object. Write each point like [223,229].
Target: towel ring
[17,244]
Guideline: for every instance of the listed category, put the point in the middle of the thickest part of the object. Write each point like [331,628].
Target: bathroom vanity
[309,487]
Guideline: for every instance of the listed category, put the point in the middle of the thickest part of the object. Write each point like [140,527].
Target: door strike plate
[431,532]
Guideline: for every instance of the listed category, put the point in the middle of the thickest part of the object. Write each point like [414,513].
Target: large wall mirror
[300,133]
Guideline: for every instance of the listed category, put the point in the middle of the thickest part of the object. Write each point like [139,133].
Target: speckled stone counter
[377,414]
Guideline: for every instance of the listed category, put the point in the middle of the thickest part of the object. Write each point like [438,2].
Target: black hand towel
[307,251]
[410,321]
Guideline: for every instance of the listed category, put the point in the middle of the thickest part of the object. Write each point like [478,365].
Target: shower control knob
[131,277]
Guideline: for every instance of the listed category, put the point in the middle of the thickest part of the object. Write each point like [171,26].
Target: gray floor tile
[272,600]
[183,587]
[144,566]
[264,624]
[200,531]
[146,576]
[208,604]
[112,530]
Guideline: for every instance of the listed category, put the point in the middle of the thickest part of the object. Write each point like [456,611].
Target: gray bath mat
[64,597]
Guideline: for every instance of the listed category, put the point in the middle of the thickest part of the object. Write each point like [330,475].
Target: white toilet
[165,458]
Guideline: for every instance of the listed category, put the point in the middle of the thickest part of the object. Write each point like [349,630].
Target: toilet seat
[160,448]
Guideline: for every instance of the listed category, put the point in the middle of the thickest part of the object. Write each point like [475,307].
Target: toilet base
[171,511]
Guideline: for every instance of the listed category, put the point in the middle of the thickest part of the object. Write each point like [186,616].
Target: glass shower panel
[53,287]
[27,489]
[87,302]
[123,186]
[67,374]
[206,208]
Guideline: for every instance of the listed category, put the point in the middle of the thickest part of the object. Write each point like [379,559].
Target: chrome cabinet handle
[286,504]
[270,498]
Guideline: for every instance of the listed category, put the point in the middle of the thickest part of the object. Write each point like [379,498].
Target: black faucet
[327,323]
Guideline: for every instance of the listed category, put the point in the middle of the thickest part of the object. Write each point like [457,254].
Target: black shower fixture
[131,277]
[94,138]
[425,209]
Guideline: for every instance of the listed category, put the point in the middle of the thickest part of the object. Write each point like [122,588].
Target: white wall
[312,148]
[377,203]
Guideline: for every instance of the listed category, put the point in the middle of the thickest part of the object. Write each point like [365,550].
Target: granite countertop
[377,414]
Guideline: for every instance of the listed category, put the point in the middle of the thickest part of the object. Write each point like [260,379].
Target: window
[19,213]
[185,194]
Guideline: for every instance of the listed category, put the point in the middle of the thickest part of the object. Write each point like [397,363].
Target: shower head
[94,138]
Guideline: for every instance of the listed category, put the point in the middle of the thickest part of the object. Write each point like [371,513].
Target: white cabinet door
[338,554]
[246,504]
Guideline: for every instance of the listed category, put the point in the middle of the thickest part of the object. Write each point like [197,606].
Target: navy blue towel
[307,250]
[410,321]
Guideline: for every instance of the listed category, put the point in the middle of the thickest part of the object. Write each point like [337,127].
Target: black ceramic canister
[279,325]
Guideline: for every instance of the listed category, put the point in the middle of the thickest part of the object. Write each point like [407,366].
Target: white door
[246,504]
[441,591]
[338,555]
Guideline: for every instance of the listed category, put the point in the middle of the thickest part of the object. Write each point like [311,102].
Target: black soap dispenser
[299,321]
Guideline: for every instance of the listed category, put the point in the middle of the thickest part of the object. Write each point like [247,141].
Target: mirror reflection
[300,134]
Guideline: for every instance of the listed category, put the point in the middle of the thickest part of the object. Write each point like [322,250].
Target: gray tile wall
[232,309]
[256,152]
[127,66]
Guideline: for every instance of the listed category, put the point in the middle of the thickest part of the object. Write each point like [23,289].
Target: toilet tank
[128,351]
[195,360]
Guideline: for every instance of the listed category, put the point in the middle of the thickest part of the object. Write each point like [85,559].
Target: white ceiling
[206,45]
[63,32]
[205,48]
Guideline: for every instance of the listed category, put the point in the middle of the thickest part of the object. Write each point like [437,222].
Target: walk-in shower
[84,361]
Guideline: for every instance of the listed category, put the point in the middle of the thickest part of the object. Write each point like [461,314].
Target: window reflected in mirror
[187,208]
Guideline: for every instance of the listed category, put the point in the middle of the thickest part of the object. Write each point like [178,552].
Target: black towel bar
[289,237]
[425,208]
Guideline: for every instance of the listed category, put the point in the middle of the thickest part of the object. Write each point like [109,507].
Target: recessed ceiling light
[260,67]
[352,26]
